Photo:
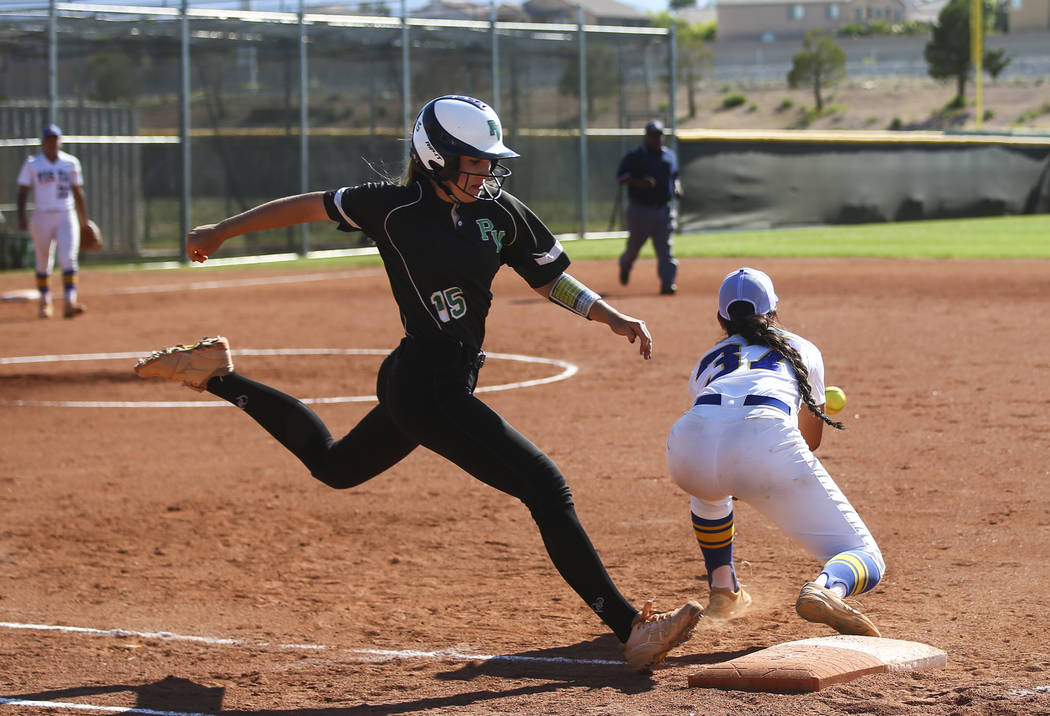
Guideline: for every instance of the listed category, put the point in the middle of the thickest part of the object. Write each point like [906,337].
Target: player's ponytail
[760,329]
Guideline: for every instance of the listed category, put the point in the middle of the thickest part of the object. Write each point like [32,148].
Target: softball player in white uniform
[59,210]
[750,434]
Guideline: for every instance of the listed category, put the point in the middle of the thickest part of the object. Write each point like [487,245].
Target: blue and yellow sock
[856,570]
[43,285]
[69,284]
[716,543]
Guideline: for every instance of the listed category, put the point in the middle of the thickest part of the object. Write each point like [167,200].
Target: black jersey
[441,257]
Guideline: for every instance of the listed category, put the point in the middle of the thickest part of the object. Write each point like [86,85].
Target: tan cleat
[822,606]
[193,366]
[725,604]
[653,634]
[45,310]
[72,310]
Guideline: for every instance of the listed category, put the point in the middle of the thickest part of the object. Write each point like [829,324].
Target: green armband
[573,295]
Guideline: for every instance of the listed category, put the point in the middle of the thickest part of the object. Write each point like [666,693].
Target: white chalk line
[33,294]
[568,370]
[91,707]
[362,655]
[356,655]
[238,283]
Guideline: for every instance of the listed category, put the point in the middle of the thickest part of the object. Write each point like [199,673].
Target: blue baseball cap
[748,285]
[51,130]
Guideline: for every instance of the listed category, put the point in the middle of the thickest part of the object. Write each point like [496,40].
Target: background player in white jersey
[59,211]
[755,422]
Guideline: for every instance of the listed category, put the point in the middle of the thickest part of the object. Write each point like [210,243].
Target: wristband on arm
[573,295]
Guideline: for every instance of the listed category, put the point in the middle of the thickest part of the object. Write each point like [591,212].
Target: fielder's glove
[90,236]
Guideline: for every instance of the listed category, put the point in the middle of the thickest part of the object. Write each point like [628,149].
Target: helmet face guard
[455,126]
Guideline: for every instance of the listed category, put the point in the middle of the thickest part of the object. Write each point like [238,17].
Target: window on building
[859,14]
[796,11]
[1016,4]
[833,11]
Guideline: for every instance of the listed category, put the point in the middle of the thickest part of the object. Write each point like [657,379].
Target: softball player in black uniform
[442,234]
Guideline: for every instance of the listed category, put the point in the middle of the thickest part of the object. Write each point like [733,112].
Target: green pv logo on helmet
[494,129]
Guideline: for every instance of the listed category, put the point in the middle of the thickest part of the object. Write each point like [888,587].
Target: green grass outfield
[1012,237]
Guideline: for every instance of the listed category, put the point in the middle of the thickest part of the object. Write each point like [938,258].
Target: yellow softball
[836,399]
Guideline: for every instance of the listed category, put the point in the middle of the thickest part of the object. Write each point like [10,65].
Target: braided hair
[761,329]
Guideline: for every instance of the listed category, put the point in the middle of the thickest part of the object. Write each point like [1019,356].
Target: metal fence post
[52,62]
[184,128]
[406,85]
[494,101]
[672,65]
[304,119]
[583,121]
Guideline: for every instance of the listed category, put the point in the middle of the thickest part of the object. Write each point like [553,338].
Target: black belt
[716,399]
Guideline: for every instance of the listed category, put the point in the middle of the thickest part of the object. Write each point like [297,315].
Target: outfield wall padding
[755,182]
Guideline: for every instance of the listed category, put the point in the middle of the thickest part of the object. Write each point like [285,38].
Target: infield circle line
[568,370]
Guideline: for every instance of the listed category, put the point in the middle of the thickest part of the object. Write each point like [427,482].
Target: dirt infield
[176,522]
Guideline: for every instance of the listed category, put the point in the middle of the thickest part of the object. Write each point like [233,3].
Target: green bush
[1034,114]
[896,124]
[855,29]
[881,27]
[785,104]
[733,99]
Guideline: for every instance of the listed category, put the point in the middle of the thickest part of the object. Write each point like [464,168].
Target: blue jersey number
[728,358]
[770,361]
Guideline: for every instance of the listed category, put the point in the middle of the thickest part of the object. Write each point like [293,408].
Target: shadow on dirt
[588,664]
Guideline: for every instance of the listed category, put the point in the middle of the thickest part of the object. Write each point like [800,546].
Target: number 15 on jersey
[450,303]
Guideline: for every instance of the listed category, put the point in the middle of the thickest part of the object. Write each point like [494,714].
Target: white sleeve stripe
[551,255]
[338,199]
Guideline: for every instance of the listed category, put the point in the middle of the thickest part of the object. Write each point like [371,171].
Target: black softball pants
[426,398]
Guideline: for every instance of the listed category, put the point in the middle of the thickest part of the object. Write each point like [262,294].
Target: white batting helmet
[454,126]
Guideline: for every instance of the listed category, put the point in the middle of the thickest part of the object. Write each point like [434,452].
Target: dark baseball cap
[654,127]
[51,130]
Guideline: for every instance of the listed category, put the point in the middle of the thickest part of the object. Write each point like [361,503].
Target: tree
[603,76]
[820,64]
[995,61]
[682,4]
[948,51]
[115,76]
[692,51]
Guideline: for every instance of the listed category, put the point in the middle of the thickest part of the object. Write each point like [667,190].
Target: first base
[814,664]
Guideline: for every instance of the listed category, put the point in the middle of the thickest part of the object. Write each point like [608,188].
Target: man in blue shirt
[651,175]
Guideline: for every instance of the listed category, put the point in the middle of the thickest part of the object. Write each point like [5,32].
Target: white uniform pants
[55,228]
[758,455]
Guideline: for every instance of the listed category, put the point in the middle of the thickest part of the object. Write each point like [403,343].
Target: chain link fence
[218,110]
